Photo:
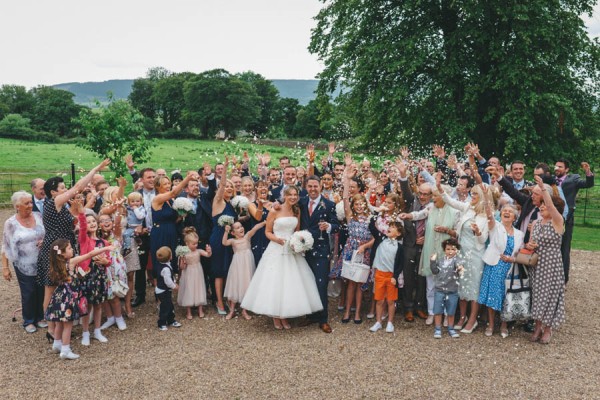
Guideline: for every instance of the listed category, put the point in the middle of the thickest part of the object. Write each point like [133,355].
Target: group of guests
[439,236]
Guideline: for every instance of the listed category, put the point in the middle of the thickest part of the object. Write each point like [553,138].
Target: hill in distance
[87,93]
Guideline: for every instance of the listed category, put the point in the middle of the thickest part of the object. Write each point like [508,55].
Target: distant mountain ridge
[86,93]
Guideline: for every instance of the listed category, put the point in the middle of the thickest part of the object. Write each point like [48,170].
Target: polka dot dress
[58,225]
[548,277]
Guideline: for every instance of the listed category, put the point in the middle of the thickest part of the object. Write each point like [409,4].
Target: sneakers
[389,327]
[121,323]
[176,324]
[56,346]
[30,328]
[453,334]
[375,327]
[100,337]
[163,328]
[85,339]
[68,355]
[110,321]
[370,316]
[437,334]
[429,320]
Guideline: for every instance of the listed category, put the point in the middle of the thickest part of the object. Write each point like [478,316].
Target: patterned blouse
[20,244]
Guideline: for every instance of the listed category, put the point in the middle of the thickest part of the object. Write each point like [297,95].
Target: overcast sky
[50,42]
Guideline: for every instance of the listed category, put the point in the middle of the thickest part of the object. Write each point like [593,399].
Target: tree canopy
[519,78]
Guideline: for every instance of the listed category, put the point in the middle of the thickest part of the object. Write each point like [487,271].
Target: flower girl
[192,288]
[242,265]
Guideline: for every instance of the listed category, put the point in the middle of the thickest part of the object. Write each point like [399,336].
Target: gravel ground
[214,358]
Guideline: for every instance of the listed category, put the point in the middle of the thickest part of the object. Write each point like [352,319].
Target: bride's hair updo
[288,190]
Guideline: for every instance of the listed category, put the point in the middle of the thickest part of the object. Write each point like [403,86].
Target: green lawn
[20,162]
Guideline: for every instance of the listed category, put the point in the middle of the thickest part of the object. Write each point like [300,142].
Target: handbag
[517,301]
[119,288]
[527,257]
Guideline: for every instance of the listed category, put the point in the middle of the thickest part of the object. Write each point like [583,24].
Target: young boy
[388,266]
[164,287]
[136,214]
[446,273]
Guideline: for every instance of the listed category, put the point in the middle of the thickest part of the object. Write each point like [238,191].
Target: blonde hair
[164,254]
[134,196]
[189,233]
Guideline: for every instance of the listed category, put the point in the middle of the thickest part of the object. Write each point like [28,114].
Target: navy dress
[259,240]
[164,232]
[221,255]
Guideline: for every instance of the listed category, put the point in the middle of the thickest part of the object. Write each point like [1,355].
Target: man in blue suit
[289,179]
[317,215]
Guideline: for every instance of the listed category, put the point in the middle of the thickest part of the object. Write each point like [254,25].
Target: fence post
[72,174]
[585,203]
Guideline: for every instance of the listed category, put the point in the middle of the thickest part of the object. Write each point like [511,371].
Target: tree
[215,100]
[114,131]
[285,113]
[15,99]
[307,122]
[521,79]
[54,110]
[268,97]
[169,100]
[141,97]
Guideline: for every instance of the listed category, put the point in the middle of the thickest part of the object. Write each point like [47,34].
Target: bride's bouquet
[301,242]
[240,204]
[183,206]
[225,220]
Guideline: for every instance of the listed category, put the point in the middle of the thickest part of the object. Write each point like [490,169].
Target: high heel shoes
[465,330]
[49,337]
[459,325]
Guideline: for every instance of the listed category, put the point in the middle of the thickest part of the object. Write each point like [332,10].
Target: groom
[317,215]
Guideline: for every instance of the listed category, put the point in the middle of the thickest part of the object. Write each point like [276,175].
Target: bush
[15,126]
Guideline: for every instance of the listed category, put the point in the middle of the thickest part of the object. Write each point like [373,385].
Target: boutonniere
[270,193]
[321,204]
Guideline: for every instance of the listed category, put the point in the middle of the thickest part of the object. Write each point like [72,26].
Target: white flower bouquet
[183,206]
[181,251]
[339,211]
[225,220]
[240,204]
[301,241]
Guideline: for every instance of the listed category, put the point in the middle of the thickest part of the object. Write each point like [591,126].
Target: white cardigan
[498,239]
[467,214]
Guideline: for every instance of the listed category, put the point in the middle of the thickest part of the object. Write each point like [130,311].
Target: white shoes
[109,322]
[85,339]
[68,355]
[56,348]
[389,327]
[375,327]
[100,337]
[429,320]
[121,323]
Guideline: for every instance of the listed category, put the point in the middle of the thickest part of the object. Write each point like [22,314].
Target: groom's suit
[319,257]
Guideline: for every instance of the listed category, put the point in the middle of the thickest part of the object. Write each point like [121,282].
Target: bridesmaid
[221,255]
[259,210]
[164,217]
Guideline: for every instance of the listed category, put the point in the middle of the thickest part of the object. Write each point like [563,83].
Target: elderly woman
[23,234]
[58,223]
[505,243]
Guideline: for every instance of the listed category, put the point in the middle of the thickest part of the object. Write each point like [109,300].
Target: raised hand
[105,163]
[331,148]
[586,167]
[404,152]
[347,159]
[539,181]
[452,161]
[267,158]
[121,181]
[129,161]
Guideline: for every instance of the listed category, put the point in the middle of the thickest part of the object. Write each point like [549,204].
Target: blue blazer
[324,211]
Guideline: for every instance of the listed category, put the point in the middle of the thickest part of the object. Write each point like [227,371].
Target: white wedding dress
[283,285]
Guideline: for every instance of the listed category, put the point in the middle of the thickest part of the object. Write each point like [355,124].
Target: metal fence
[588,200]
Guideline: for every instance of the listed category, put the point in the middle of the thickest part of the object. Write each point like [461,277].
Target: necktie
[311,207]
[421,225]
[40,205]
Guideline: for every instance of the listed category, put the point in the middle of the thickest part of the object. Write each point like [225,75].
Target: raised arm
[255,229]
[97,251]
[557,218]
[81,184]
[226,241]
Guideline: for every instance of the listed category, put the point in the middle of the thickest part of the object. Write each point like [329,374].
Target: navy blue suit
[318,258]
[277,194]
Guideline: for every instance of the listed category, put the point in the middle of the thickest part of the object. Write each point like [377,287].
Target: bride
[283,285]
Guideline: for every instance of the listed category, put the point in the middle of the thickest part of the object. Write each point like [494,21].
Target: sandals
[459,325]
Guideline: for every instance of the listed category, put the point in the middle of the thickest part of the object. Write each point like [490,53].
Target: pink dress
[240,271]
[192,288]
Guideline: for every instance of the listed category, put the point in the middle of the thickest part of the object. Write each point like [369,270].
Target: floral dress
[67,303]
[95,287]
[358,234]
[117,270]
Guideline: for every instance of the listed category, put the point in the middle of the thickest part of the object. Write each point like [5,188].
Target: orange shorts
[383,286]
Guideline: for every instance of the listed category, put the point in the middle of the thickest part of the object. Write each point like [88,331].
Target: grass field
[22,161]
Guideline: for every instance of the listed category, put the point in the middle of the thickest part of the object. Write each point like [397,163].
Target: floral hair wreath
[57,250]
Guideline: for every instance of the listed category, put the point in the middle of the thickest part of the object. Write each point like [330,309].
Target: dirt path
[214,358]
